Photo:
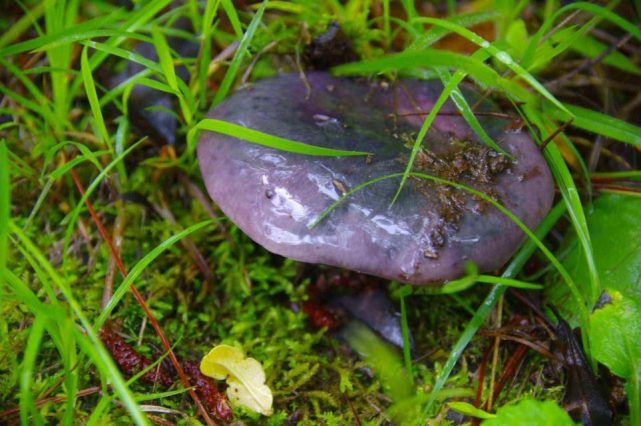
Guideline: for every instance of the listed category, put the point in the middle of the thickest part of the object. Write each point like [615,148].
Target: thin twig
[617,188]
[554,84]
[195,191]
[164,211]
[143,304]
[611,39]
[351,407]
[554,134]
[495,353]
[119,225]
[225,54]
[481,380]
[55,399]
[511,369]
[301,73]
[255,60]
[543,350]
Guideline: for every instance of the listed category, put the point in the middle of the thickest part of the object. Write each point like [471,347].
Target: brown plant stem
[55,399]
[143,304]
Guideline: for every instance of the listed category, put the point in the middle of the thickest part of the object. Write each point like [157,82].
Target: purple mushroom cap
[432,229]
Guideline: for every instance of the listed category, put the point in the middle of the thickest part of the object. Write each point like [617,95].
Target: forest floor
[115,260]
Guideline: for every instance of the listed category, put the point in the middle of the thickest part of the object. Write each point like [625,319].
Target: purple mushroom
[431,230]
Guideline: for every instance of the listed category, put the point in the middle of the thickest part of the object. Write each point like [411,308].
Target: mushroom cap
[432,229]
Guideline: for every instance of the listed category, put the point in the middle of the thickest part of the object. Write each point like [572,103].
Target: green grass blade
[607,14]
[127,84]
[169,71]
[599,123]
[348,194]
[434,34]
[5,207]
[464,339]
[230,10]
[73,216]
[36,93]
[95,349]
[602,13]
[384,359]
[91,157]
[517,263]
[204,53]
[69,357]
[68,37]
[584,313]
[387,32]
[405,332]
[430,58]
[44,112]
[570,195]
[107,397]
[125,54]
[260,138]
[232,71]
[43,277]
[139,268]
[566,39]
[164,57]
[427,123]
[55,318]
[591,48]
[466,111]
[500,55]
[548,254]
[92,97]
[82,31]
[92,346]
[410,10]
[96,418]
[627,174]
[23,293]
[160,395]
[58,325]
[59,58]
[153,84]
[464,283]
[19,27]
[135,21]
[187,102]
[450,89]
[27,406]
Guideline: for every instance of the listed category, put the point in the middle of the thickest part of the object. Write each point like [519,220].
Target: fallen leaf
[615,333]
[529,412]
[615,231]
[245,378]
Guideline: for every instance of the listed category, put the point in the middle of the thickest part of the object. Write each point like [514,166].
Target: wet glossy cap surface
[432,229]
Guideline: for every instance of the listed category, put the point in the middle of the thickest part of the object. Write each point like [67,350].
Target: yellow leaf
[245,378]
